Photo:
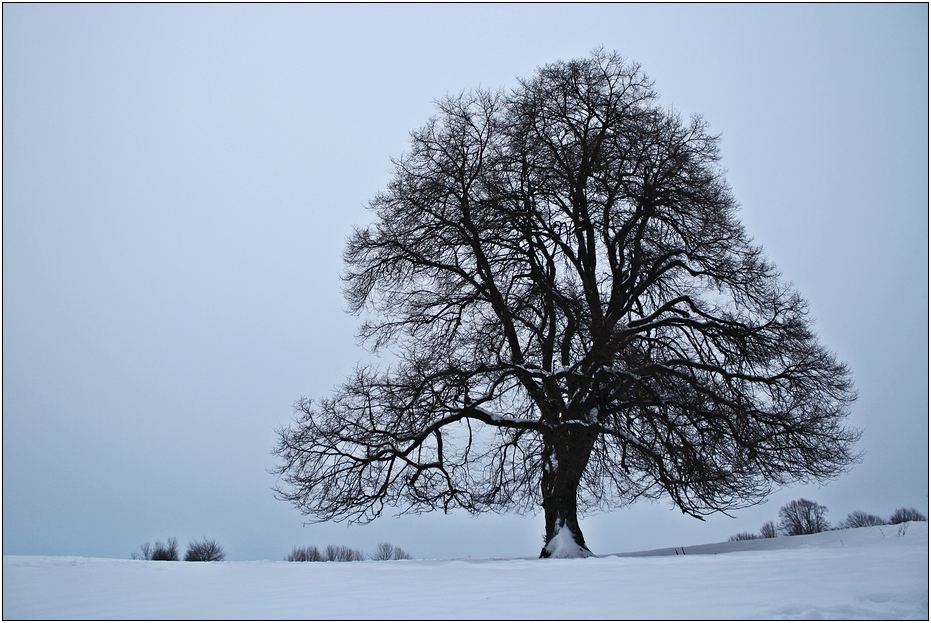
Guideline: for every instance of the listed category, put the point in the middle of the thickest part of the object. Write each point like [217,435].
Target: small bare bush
[161,551]
[205,550]
[144,553]
[305,554]
[166,552]
[768,531]
[860,519]
[906,514]
[744,536]
[342,553]
[387,551]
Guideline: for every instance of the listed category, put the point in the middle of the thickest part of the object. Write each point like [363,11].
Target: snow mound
[830,539]
[563,545]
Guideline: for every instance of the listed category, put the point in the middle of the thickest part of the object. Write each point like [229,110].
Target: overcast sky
[179,181]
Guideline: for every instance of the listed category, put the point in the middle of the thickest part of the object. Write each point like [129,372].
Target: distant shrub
[305,554]
[906,514]
[860,519]
[387,551]
[744,536]
[768,531]
[206,550]
[161,551]
[166,552]
[342,553]
[802,517]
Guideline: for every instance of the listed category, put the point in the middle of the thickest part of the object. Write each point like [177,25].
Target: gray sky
[179,181]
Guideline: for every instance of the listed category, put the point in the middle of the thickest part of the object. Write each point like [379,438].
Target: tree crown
[560,272]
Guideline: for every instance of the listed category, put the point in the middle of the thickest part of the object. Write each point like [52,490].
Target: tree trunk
[565,455]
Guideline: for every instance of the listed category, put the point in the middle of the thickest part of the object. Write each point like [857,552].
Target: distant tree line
[342,553]
[198,550]
[208,550]
[806,517]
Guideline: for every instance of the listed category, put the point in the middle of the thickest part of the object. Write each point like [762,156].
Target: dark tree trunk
[565,456]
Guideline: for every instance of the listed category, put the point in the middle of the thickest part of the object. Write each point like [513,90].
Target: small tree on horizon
[768,530]
[578,318]
[802,517]
[860,519]
[204,550]
[342,553]
[305,554]
[902,515]
[387,551]
[160,551]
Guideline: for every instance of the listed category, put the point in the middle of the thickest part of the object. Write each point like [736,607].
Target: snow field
[844,574]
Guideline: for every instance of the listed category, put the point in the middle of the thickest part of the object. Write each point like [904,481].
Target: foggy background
[179,181]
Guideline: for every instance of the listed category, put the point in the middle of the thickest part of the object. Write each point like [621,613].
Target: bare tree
[205,550]
[144,553]
[744,536]
[342,553]
[166,552]
[802,517]
[902,515]
[768,531]
[383,551]
[387,551]
[579,320]
[305,554]
[860,519]
[160,551]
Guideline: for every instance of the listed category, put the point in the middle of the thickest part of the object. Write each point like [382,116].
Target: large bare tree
[578,320]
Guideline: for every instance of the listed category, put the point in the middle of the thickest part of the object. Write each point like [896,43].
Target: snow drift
[868,573]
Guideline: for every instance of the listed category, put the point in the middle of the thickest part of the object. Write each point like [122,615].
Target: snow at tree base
[879,572]
[563,545]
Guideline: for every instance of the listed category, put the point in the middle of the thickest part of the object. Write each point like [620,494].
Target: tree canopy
[578,319]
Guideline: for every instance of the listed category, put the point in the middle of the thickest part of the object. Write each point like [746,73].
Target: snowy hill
[868,573]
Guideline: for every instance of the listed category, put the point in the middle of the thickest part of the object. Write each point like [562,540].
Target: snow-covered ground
[865,573]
